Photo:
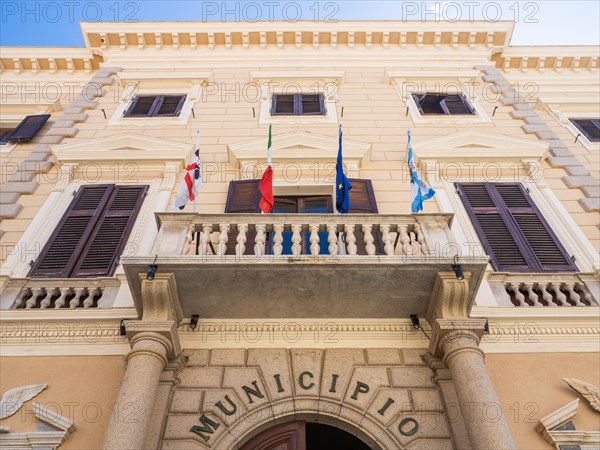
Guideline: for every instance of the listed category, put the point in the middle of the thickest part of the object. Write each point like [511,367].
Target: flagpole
[197,149]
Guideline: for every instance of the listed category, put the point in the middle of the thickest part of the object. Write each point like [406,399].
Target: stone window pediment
[299,158]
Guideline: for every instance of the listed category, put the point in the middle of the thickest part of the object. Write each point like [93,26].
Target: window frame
[443,105]
[155,107]
[582,131]
[298,105]
[73,267]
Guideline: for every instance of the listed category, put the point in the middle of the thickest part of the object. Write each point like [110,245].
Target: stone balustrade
[304,234]
[568,290]
[60,293]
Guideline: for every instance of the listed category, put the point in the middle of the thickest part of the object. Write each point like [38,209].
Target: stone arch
[311,410]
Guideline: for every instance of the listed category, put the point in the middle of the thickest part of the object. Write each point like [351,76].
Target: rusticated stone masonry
[560,156]
[389,397]
[23,180]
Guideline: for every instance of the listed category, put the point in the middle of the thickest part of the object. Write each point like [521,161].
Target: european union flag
[342,185]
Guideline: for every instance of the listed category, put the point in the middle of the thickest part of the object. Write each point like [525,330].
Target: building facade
[217,327]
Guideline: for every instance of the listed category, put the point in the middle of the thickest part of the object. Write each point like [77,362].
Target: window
[92,233]
[156,106]
[244,196]
[589,127]
[298,105]
[439,104]
[25,131]
[3,133]
[512,229]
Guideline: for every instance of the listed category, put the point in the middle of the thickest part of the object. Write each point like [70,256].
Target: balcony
[298,266]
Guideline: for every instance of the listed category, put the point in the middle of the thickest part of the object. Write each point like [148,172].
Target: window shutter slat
[512,229]
[28,128]
[59,256]
[496,235]
[141,106]
[311,105]
[545,247]
[283,104]
[171,105]
[110,235]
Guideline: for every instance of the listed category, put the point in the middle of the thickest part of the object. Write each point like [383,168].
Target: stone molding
[22,181]
[560,155]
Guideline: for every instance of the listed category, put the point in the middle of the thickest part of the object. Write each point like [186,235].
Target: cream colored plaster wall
[374,113]
[82,389]
[529,386]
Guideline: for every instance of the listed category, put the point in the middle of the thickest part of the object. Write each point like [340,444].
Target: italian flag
[266,183]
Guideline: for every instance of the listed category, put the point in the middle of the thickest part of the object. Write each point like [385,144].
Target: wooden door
[287,436]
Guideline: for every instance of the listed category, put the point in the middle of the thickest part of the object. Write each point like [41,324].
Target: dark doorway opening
[326,437]
[305,436]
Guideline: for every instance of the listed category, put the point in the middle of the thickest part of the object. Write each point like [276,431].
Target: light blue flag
[419,190]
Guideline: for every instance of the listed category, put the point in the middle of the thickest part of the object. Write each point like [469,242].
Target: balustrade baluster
[89,301]
[315,248]
[223,238]
[259,246]
[74,303]
[350,240]
[532,295]
[45,303]
[369,239]
[421,238]
[21,298]
[404,239]
[60,301]
[205,240]
[388,247]
[240,248]
[35,293]
[587,296]
[573,296]
[296,240]
[546,296]
[332,239]
[278,239]
[514,287]
[562,298]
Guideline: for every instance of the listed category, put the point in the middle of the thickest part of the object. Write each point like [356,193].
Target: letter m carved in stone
[208,427]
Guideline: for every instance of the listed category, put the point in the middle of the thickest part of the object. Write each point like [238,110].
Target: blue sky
[56,23]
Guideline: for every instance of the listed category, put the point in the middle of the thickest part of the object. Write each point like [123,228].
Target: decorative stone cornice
[382,34]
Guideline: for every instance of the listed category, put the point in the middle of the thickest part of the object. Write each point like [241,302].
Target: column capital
[449,333]
[164,333]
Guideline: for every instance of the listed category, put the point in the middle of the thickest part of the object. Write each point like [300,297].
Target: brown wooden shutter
[511,229]
[170,105]
[243,197]
[362,201]
[589,127]
[141,106]
[28,128]
[60,254]
[283,105]
[547,253]
[312,104]
[107,241]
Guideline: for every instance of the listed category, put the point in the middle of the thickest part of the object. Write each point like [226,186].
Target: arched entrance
[300,435]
